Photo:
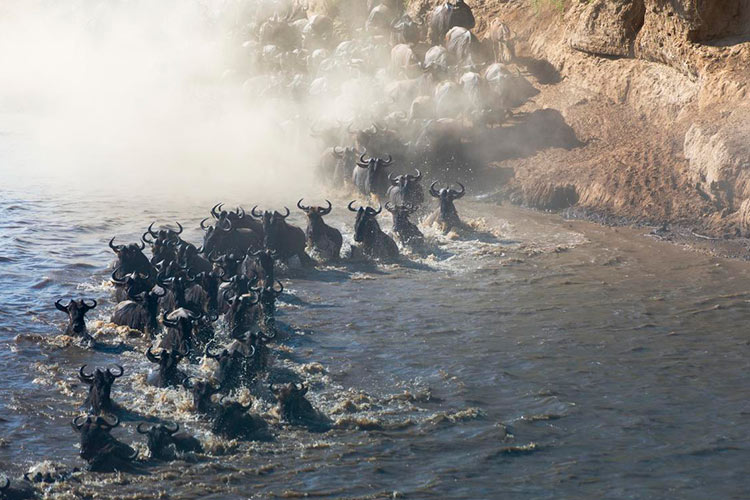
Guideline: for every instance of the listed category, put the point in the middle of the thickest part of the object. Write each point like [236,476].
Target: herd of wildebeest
[176,297]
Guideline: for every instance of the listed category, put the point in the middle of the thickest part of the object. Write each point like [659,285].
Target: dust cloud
[148,96]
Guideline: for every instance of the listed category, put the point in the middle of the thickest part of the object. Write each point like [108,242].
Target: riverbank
[640,116]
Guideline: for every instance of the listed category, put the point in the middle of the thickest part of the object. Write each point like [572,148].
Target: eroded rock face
[719,158]
[671,26]
[608,27]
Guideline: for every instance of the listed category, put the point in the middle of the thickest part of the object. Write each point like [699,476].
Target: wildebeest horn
[388,206]
[61,307]
[229,226]
[168,322]
[388,161]
[145,239]
[151,231]
[152,357]
[202,224]
[142,246]
[75,423]
[463,191]
[432,190]
[140,431]
[373,211]
[252,212]
[301,206]
[117,280]
[349,129]
[188,383]
[173,429]
[240,210]
[194,315]
[394,182]
[158,295]
[180,226]
[327,211]
[115,248]
[83,301]
[337,153]
[349,206]
[214,209]
[280,288]
[287,213]
[119,374]
[101,420]
[362,163]
[87,378]
[207,353]
[418,176]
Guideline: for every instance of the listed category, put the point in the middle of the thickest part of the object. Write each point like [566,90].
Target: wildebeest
[465,50]
[19,490]
[233,421]
[403,228]
[321,237]
[99,448]
[180,324]
[501,38]
[403,60]
[131,259]
[164,443]
[282,238]
[346,162]
[76,311]
[201,391]
[446,16]
[406,189]
[168,374]
[405,30]
[140,312]
[370,176]
[380,19]
[295,409]
[446,215]
[232,370]
[99,398]
[130,284]
[224,238]
[375,243]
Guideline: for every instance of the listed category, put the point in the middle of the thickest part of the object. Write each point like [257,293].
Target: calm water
[528,358]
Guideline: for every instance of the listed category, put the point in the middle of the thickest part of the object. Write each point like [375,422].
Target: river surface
[524,357]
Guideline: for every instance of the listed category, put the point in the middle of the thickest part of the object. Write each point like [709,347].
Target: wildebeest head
[376,172]
[365,222]
[406,230]
[347,155]
[232,420]
[216,236]
[202,391]
[98,447]
[100,382]
[168,360]
[162,236]
[132,283]
[296,409]
[180,323]
[76,311]
[160,439]
[130,258]
[230,364]
[315,214]
[261,264]
[267,296]
[447,196]
[274,227]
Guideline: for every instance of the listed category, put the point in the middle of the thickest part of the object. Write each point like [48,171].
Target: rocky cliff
[652,96]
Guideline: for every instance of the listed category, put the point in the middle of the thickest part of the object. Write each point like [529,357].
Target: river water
[524,357]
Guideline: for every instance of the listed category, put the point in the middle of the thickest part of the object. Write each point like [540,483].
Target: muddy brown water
[525,357]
